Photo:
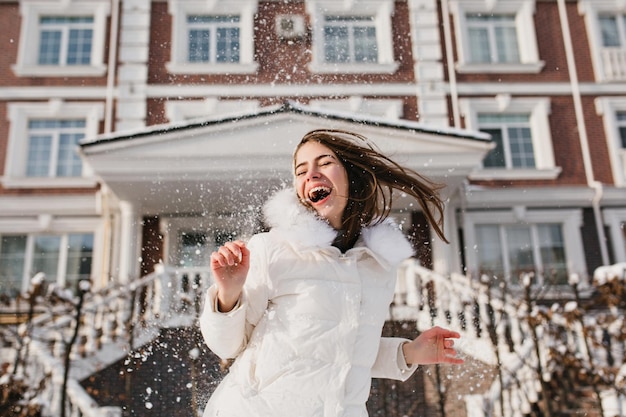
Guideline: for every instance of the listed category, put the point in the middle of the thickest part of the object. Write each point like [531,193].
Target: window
[65,259]
[506,244]
[508,251]
[352,39]
[606,29]
[194,249]
[512,136]
[613,31]
[43,143]
[65,40]
[613,112]
[496,36]
[492,38]
[62,39]
[212,37]
[52,146]
[520,130]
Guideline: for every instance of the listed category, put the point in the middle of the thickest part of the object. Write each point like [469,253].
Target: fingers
[445,333]
[231,254]
[450,354]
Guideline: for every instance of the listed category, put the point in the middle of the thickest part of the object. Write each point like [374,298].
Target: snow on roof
[288,107]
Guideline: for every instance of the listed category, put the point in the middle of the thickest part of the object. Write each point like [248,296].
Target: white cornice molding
[62,204]
[477,197]
[45,93]
[305,90]
[539,89]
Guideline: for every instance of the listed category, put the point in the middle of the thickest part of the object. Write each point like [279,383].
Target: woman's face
[321,181]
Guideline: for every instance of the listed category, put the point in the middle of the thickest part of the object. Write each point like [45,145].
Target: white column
[445,255]
[129,243]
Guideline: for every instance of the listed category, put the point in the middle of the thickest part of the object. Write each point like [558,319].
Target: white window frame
[607,107]
[607,62]
[19,114]
[526,35]
[571,221]
[538,109]
[613,219]
[183,110]
[28,50]
[391,109]
[46,224]
[381,10]
[180,9]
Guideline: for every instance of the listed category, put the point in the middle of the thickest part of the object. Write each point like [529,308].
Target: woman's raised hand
[230,264]
[435,345]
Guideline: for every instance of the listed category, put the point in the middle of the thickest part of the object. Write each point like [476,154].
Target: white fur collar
[287,217]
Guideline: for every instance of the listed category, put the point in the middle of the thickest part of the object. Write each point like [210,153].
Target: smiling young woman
[301,308]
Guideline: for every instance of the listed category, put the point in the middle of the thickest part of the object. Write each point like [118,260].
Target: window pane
[227,45]
[39,151]
[552,249]
[521,144]
[365,47]
[506,45]
[69,163]
[46,256]
[12,254]
[199,45]
[336,44]
[489,251]
[479,45]
[610,31]
[79,258]
[49,47]
[495,157]
[520,251]
[79,48]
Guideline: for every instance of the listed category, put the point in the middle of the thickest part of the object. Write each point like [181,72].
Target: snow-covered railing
[165,298]
[459,303]
[525,340]
[78,404]
[114,321]
[489,323]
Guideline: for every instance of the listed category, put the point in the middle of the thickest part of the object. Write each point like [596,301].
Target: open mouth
[318,193]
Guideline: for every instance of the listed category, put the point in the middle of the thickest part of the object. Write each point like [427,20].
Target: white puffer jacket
[307,331]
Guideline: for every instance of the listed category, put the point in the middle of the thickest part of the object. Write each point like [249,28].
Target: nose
[312,174]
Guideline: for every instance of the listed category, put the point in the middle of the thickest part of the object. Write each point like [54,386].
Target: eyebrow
[316,159]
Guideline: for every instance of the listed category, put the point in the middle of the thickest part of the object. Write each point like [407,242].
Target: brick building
[137,133]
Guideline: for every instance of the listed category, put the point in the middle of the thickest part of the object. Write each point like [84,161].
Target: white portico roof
[220,163]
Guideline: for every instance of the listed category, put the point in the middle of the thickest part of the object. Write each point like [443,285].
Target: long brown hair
[373,177]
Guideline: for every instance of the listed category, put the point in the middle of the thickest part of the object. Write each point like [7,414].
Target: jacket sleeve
[390,362]
[227,334]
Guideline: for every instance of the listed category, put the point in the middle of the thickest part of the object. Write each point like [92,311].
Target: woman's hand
[230,264]
[432,346]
